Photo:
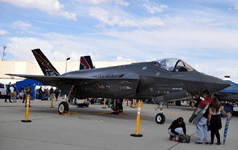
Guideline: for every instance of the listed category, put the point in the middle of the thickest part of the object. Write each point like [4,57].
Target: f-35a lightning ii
[168,77]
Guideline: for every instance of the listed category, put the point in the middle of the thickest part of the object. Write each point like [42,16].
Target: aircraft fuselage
[139,80]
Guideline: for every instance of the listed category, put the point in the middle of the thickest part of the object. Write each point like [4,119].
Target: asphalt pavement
[95,128]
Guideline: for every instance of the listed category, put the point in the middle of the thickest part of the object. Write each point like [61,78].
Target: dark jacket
[8,91]
[175,124]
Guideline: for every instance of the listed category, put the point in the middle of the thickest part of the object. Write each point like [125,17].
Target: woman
[21,94]
[214,120]
[176,129]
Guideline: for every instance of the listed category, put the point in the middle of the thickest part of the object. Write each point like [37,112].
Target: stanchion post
[51,98]
[127,103]
[27,109]
[138,121]
[133,105]
[104,104]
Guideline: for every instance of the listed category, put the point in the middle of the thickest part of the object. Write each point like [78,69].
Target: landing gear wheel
[160,118]
[63,107]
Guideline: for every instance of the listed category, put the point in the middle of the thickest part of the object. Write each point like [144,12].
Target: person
[14,95]
[25,96]
[28,92]
[109,103]
[198,97]
[202,128]
[214,120]
[40,92]
[12,91]
[8,94]
[176,129]
[21,94]
[56,93]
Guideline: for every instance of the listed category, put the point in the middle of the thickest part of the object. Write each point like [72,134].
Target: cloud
[53,7]
[121,2]
[21,25]
[123,59]
[154,9]
[20,47]
[3,32]
[97,2]
[153,21]
[108,18]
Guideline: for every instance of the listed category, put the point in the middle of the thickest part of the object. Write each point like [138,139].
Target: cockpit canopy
[173,65]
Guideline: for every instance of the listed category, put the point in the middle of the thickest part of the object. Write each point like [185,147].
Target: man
[202,124]
[56,93]
[40,93]
[25,96]
[176,129]
[109,103]
[8,94]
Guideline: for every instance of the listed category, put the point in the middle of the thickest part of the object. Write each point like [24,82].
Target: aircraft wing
[48,80]
[66,80]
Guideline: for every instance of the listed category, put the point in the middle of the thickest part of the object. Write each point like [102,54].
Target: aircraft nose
[214,84]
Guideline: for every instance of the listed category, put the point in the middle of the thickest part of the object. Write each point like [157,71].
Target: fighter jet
[170,77]
[229,94]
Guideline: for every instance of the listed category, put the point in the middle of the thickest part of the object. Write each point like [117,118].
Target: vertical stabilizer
[47,68]
[85,63]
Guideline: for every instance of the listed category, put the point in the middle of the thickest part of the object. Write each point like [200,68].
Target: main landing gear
[117,106]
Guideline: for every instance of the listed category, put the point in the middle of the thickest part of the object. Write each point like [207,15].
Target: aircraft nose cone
[214,84]
[222,84]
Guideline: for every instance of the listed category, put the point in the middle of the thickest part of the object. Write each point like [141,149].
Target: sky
[202,33]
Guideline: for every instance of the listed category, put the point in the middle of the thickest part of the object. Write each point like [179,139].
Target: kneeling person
[176,129]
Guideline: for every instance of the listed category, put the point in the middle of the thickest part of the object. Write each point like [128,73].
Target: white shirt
[12,89]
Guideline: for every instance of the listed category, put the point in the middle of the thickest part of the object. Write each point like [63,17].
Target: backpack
[184,139]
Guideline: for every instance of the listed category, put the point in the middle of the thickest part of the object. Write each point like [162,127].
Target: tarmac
[94,128]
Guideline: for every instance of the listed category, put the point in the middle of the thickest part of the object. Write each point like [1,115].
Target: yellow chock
[27,110]
[66,114]
[138,121]
[121,114]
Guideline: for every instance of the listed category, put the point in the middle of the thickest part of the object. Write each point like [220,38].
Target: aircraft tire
[160,118]
[63,107]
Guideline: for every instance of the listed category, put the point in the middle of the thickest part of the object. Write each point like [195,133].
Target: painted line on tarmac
[9,105]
